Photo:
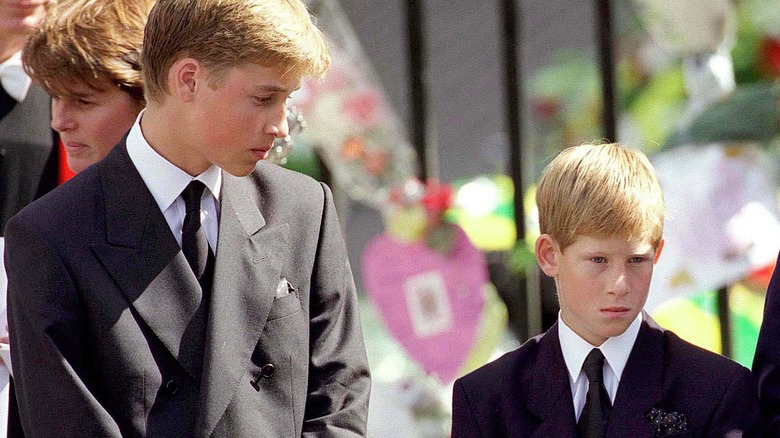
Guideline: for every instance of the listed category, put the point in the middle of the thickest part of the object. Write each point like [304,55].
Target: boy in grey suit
[179,287]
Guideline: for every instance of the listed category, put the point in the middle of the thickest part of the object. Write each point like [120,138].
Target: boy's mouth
[615,311]
[260,153]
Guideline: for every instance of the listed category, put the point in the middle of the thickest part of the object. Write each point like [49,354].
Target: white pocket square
[283,289]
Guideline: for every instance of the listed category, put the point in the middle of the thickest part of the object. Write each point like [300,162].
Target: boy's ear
[547,254]
[183,76]
[658,250]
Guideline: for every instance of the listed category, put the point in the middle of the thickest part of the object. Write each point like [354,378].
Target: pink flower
[362,108]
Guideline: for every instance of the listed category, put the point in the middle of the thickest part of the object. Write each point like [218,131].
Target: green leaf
[748,114]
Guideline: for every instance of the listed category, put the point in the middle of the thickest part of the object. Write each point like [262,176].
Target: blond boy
[179,288]
[605,369]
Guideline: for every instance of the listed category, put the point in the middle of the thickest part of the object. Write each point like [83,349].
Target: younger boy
[179,288]
[605,369]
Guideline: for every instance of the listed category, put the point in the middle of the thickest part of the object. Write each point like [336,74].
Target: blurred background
[436,119]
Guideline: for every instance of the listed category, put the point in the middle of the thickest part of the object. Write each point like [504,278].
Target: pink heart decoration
[431,304]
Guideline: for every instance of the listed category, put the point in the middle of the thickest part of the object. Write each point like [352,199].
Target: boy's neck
[160,128]
[617,349]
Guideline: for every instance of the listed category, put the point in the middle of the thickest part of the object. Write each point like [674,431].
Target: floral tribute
[427,279]
[351,124]
[423,274]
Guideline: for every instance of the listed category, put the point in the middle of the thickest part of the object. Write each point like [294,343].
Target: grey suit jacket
[102,305]
[28,153]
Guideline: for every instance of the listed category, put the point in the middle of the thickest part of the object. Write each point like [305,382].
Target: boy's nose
[279,127]
[619,284]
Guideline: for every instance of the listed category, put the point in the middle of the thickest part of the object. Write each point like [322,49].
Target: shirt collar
[163,178]
[616,349]
[13,78]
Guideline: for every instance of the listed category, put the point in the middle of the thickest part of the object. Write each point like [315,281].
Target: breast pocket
[284,306]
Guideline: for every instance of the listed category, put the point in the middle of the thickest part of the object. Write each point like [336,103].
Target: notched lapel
[550,393]
[249,260]
[641,385]
[144,259]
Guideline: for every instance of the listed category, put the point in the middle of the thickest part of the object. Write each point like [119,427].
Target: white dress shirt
[166,182]
[13,78]
[615,350]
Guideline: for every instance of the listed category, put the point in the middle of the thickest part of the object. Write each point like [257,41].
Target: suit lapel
[248,265]
[550,393]
[641,385]
[144,259]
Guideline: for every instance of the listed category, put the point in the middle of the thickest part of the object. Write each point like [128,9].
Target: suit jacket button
[268,370]
[171,387]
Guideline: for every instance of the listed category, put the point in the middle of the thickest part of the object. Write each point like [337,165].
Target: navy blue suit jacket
[766,362]
[526,393]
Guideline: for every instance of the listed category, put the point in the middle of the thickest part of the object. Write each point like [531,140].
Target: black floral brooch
[666,423]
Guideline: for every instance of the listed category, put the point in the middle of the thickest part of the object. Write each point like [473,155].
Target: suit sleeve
[464,423]
[48,348]
[339,380]
[737,413]
[766,362]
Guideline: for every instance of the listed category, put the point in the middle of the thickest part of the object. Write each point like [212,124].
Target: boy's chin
[596,327]
[610,327]
[239,171]
[615,327]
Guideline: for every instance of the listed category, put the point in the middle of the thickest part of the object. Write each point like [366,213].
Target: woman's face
[90,122]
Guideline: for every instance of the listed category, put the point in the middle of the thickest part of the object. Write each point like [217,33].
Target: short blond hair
[223,34]
[90,42]
[600,190]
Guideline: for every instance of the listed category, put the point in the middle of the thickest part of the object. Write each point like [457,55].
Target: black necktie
[193,239]
[7,103]
[201,259]
[595,414]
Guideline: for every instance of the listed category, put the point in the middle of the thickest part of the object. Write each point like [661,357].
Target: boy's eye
[598,259]
[637,259]
[265,100]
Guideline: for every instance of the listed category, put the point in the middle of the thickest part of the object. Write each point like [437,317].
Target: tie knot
[593,366]
[192,194]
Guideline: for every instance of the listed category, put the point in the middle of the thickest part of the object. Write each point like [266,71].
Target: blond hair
[600,190]
[228,33]
[91,42]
